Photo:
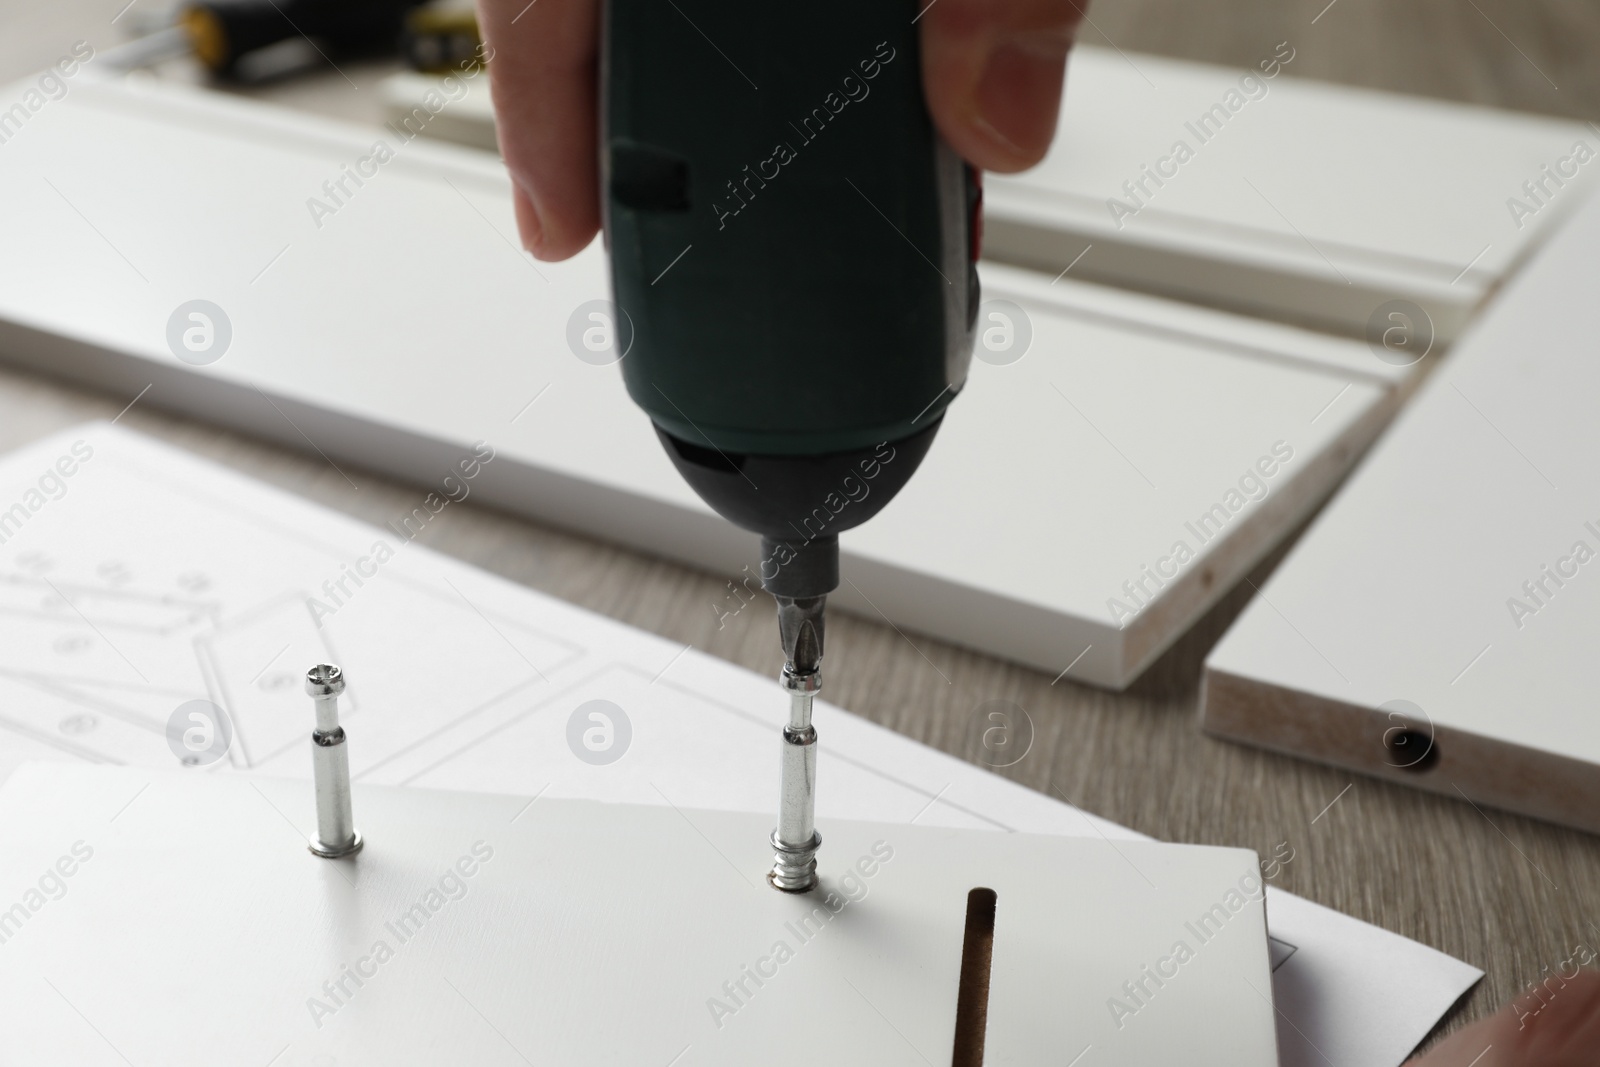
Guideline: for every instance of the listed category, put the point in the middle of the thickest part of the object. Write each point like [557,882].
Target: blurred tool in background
[264,40]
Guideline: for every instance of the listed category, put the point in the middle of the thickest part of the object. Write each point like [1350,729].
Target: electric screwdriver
[794,248]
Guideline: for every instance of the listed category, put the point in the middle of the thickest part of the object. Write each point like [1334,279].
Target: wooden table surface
[1506,893]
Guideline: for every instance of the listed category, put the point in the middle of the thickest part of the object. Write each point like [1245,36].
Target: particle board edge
[1464,765]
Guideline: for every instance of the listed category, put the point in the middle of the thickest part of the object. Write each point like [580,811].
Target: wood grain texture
[1526,56]
[1507,893]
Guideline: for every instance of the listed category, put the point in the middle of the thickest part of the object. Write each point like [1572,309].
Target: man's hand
[992,71]
[1558,1027]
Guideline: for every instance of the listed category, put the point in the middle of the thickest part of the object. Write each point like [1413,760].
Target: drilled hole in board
[1411,750]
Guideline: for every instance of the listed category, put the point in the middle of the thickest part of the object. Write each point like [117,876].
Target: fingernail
[529,228]
[1019,93]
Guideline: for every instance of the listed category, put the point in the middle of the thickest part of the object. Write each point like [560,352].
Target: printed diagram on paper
[103,642]
[155,579]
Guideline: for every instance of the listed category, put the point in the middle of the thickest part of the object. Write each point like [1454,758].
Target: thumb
[992,71]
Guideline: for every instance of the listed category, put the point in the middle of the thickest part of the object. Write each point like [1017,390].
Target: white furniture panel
[1453,572]
[475,928]
[400,329]
[1298,200]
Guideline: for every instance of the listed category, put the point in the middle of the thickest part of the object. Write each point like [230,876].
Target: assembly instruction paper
[136,578]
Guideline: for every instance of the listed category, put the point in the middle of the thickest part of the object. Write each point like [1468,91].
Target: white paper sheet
[135,577]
